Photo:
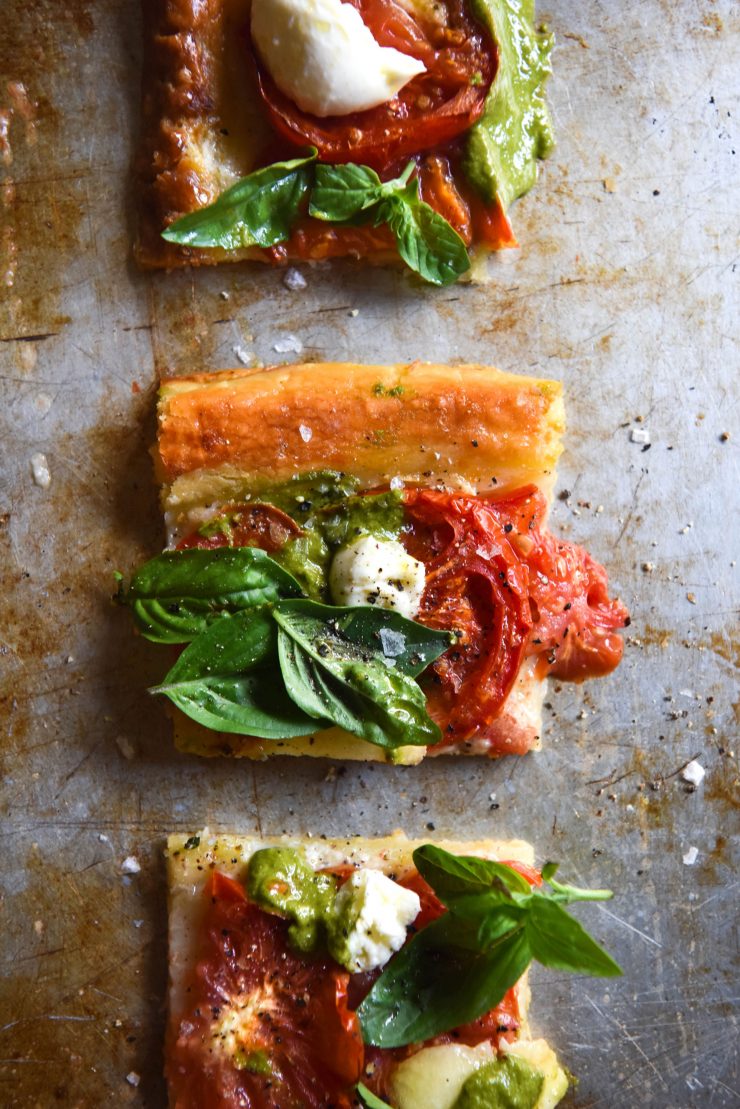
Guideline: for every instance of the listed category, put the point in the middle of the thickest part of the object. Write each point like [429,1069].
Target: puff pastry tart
[359,561]
[314,129]
[357,972]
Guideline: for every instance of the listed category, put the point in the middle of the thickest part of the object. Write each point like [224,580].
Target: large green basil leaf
[375,632]
[333,669]
[558,940]
[432,985]
[259,210]
[228,679]
[176,595]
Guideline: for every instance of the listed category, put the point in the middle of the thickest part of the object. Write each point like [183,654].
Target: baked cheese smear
[484,568]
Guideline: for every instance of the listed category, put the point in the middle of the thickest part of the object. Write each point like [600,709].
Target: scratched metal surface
[626,288]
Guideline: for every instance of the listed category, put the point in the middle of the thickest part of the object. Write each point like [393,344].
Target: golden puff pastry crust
[469,426]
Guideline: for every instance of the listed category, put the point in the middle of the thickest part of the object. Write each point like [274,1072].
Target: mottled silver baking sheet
[626,287]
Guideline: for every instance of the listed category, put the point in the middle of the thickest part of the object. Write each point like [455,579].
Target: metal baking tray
[626,288]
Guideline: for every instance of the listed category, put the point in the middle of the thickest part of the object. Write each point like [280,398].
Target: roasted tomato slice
[246,525]
[434,108]
[476,586]
[575,621]
[264,1028]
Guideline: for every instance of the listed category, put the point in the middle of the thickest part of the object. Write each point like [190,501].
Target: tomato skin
[250,525]
[432,109]
[439,190]
[252,998]
[477,586]
[575,621]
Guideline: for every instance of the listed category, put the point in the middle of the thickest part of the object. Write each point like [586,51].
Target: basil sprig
[262,209]
[259,210]
[175,596]
[264,661]
[460,966]
[428,244]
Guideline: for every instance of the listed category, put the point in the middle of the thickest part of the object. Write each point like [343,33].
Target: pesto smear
[502,148]
[331,513]
[504,1083]
[280,880]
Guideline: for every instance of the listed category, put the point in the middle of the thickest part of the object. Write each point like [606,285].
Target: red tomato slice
[439,190]
[265,1027]
[575,621]
[248,525]
[432,109]
[476,586]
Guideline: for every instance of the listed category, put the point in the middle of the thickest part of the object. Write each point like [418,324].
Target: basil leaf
[428,244]
[453,876]
[558,940]
[340,192]
[371,1100]
[228,679]
[404,644]
[431,987]
[259,210]
[175,596]
[349,681]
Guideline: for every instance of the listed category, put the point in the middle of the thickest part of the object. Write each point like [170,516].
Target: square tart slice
[463,459]
[252,1021]
[474,122]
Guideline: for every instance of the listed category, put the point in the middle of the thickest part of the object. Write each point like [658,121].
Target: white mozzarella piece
[371,915]
[377,572]
[322,55]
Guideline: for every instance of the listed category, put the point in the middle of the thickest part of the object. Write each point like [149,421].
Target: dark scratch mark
[633,506]
[74,769]
[255,795]
[139,327]
[28,338]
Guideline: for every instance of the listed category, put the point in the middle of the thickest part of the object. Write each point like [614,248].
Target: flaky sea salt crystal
[693,773]
[291,344]
[294,280]
[40,470]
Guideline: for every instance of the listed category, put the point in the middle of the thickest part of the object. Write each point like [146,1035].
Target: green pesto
[502,148]
[329,526]
[505,1083]
[256,1062]
[280,880]
[331,514]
